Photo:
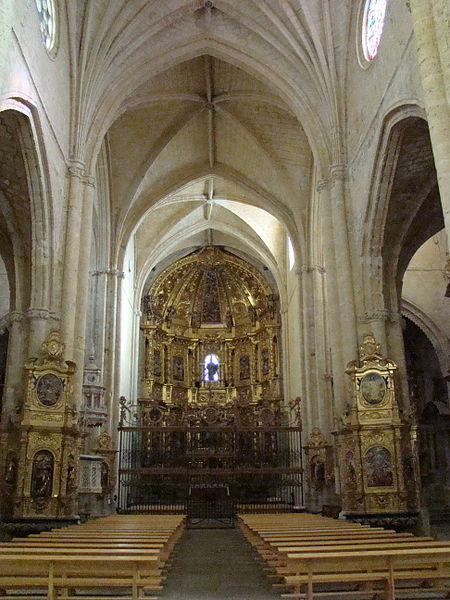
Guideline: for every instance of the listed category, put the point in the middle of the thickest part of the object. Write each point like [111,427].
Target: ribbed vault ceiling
[212,113]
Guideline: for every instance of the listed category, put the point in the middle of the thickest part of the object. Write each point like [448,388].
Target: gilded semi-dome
[210,289]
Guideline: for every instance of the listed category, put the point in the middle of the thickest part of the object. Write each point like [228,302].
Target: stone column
[375,322]
[83,285]
[343,263]
[107,317]
[318,413]
[431,21]
[396,349]
[76,269]
[323,368]
[340,300]
[41,321]
[112,381]
[75,176]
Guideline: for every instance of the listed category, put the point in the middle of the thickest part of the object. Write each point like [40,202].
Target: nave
[302,556]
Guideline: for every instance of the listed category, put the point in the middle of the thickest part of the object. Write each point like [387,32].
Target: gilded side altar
[375,444]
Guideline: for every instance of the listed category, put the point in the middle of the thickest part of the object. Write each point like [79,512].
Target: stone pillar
[431,21]
[71,256]
[396,349]
[341,318]
[83,285]
[76,269]
[114,344]
[323,368]
[107,349]
[343,262]
[41,321]
[306,298]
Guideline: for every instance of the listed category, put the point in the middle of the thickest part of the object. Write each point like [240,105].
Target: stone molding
[310,269]
[77,170]
[41,314]
[109,272]
[338,172]
[380,315]
[33,314]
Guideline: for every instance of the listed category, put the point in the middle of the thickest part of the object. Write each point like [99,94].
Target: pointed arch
[32,238]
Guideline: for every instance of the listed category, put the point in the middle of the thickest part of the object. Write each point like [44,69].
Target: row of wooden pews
[320,557]
[105,558]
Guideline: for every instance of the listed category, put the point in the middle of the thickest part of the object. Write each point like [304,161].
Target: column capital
[338,171]
[41,314]
[108,272]
[309,269]
[380,315]
[322,185]
[15,316]
[76,168]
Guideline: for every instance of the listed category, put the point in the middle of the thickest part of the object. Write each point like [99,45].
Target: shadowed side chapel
[225,275]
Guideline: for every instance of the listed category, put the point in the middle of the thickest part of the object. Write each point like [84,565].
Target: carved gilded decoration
[319,460]
[210,303]
[372,439]
[46,464]
[103,446]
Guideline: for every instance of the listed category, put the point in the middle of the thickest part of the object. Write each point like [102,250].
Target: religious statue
[71,482]
[211,371]
[10,468]
[229,320]
[42,475]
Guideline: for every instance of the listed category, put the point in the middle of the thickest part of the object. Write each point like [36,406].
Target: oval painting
[373,388]
[49,389]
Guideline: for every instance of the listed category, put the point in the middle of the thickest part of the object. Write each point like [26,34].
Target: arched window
[47,20]
[373,27]
[211,368]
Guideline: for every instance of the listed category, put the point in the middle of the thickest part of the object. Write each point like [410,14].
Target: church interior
[225,271]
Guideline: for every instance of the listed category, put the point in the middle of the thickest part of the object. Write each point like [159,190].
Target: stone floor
[215,564]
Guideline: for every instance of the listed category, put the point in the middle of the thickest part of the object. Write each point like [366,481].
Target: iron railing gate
[208,470]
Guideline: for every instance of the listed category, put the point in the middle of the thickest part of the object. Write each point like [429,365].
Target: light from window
[291,254]
[211,368]
[373,27]
[46,11]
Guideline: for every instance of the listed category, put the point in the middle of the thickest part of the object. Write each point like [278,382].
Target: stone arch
[268,203]
[437,339]
[389,242]
[25,239]
[31,235]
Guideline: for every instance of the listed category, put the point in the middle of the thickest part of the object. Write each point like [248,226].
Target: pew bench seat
[56,573]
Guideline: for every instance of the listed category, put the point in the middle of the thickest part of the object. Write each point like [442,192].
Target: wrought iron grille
[212,469]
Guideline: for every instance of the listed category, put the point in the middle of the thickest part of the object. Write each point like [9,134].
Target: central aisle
[215,564]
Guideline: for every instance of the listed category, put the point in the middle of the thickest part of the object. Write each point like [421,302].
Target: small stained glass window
[373,26]
[47,20]
[211,368]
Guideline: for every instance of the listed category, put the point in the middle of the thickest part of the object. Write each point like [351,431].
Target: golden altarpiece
[210,328]
[376,444]
[42,456]
[211,387]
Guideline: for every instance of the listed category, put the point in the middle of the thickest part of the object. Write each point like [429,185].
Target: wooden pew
[308,555]
[58,573]
[388,567]
[115,553]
